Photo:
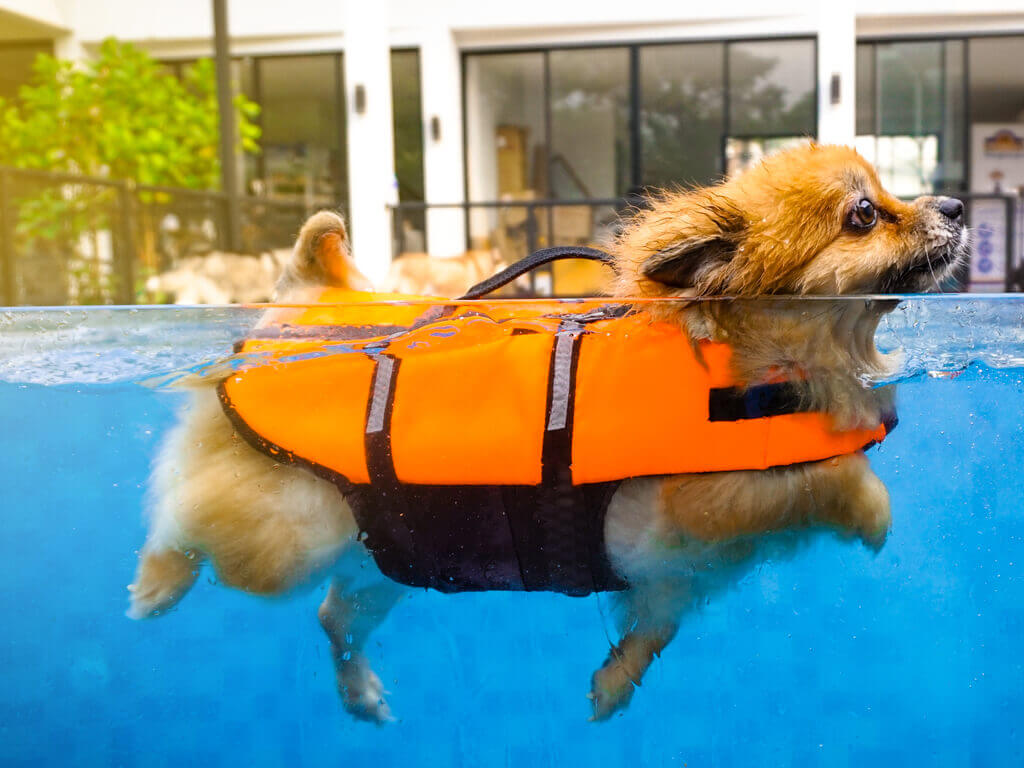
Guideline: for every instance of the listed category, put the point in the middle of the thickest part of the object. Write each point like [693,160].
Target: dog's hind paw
[611,688]
[362,693]
[162,579]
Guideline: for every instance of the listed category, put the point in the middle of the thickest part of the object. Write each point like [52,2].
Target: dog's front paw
[362,693]
[611,688]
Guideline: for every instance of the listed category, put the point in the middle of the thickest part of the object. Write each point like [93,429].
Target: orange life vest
[467,395]
[497,410]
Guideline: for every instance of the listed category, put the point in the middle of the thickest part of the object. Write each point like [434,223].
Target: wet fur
[776,230]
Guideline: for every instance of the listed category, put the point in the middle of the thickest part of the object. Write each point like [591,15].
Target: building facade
[453,125]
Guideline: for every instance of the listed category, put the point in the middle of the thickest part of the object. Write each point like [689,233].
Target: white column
[837,55]
[371,159]
[66,44]
[69,47]
[441,84]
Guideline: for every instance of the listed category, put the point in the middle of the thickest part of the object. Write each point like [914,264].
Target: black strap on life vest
[776,399]
[458,538]
[534,260]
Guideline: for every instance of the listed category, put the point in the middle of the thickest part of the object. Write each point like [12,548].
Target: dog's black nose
[951,208]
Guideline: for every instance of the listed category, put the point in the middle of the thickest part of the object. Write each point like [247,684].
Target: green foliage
[120,116]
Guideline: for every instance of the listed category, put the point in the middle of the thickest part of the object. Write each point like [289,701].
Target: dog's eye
[863,214]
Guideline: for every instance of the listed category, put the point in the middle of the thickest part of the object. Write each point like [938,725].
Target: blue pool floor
[839,657]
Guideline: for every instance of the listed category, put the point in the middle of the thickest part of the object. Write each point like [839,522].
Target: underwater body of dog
[812,221]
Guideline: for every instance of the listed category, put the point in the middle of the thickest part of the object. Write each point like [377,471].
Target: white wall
[302,25]
[34,13]
[837,55]
[441,94]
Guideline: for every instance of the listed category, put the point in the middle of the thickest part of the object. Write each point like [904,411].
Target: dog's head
[811,220]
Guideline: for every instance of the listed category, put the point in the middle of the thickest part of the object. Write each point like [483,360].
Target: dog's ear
[704,245]
[687,263]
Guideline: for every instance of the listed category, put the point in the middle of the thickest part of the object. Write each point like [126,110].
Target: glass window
[240,72]
[950,175]
[997,85]
[408,123]
[741,153]
[865,89]
[590,147]
[910,88]
[907,165]
[681,113]
[772,88]
[997,150]
[16,61]
[303,133]
[505,134]
[407,116]
[506,149]
[914,131]
[997,114]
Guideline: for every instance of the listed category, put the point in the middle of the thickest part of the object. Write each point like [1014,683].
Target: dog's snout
[952,209]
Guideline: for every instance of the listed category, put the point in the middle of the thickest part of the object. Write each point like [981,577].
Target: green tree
[122,115]
[118,116]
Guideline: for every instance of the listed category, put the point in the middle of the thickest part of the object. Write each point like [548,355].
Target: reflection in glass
[950,176]
[771,88]
[909,88]
[505,146]
[303,145]
[407,122]
[745,152]
[865,89]
[16,61]
[590,152]
[912,129]
[997,112]
[681,113]
[505,133]
[997,88]
[906,164]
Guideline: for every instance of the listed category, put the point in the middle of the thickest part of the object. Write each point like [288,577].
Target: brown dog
[419,274]
[813,220]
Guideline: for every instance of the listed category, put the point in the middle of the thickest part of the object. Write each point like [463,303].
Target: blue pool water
[838,657]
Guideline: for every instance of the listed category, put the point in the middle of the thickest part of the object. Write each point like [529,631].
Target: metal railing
[73,239]
[515,228]
[512,229]
[70,239]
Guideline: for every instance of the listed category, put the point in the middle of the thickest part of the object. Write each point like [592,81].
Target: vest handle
[531,262]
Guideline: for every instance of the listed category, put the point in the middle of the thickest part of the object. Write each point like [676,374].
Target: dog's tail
[322,257]
[162,579]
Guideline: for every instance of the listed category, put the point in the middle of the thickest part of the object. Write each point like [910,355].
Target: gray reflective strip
[560,372]
[381,388]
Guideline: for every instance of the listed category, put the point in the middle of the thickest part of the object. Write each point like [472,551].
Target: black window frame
[177,64]
[963,37]
[633,48]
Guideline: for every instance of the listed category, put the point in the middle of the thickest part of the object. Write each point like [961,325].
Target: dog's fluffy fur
[788,226]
